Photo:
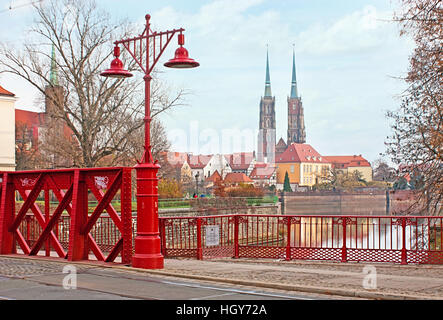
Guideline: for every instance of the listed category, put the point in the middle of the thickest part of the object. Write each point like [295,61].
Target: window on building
[292,169]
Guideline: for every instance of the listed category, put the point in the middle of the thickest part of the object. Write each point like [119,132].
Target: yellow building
[304,165]
[349,164]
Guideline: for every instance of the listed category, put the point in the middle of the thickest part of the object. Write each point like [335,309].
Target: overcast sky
[348,55]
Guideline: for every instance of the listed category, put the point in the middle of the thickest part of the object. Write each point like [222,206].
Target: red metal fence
[50,211]
[412,239]
[63,221]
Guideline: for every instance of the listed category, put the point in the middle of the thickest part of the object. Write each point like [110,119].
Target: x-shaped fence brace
[77,183]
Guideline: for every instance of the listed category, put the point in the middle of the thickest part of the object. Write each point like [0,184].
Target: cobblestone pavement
[32,267]
[318,279]
[43,279]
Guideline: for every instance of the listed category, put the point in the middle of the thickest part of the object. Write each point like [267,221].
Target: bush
[245,190]
[169,189]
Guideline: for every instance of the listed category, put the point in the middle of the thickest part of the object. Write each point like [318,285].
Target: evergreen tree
[401,184]
[287,185]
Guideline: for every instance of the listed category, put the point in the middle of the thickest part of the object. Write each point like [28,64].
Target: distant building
[267,133]
[241,162]
[178,166]
[296,122]
[33,128]
[304,165]
[7,131]
[236,178]
[349,164]
[264,174]
[212,180]
[280,148]
[268,151]
[197,164]
[217,162]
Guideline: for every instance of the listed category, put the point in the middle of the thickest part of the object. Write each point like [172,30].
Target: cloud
[226,30]
[361,30]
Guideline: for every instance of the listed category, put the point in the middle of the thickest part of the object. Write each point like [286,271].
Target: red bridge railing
[70,227]
[404,240]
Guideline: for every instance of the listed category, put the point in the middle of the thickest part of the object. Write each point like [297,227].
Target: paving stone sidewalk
[392,281]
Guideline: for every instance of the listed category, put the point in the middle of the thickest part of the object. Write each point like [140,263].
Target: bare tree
[383,172]
[133,145]
[101,114]
[26,148]
[417,126]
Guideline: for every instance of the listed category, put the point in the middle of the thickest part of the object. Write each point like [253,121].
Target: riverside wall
[344,203]
[274,209]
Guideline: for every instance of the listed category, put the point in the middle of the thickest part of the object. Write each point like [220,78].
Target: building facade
[267,124]
[349,164]
[7,130]
[304,165]
[296,120]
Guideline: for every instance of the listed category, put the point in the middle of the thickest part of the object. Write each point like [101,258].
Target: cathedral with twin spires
[268,150]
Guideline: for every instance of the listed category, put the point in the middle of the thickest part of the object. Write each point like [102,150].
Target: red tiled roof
[348,161]
[237,177]
[300,152]
[4,92]
[175,159]
[240,161]
[214,177]
[198,161]
[281,143]
[262,171]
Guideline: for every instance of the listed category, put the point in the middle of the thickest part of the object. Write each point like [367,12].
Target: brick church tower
[266,135]
[296,121]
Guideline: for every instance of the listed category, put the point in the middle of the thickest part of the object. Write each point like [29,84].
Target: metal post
[404,259]
[148,253]
[126,215]
[236,235]
[288,240]
[7,209]
[199,239]
[344,253]
[47,217]
[163,236]
[147,241]
[78,242]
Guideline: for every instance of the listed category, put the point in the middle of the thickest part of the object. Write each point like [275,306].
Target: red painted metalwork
[68,230]
[394,239]
[148,251]
[116,70]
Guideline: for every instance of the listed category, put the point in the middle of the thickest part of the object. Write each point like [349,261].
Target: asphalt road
[22,279]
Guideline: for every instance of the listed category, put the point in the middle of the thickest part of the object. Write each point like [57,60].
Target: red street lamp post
[147,241]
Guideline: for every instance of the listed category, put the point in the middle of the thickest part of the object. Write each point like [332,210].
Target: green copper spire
[53,75]
[268,78]
[294,91]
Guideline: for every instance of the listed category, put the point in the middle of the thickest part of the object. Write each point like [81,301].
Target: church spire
[53,75]
[294,91]
[268,78]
